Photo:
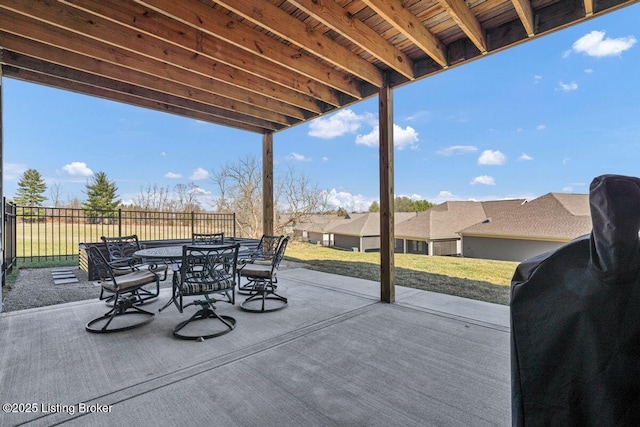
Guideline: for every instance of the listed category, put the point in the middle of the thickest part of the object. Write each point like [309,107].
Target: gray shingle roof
[554,216]
[367,224]
[446,219]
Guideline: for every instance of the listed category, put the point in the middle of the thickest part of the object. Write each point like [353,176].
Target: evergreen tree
[31,188]
[101,197]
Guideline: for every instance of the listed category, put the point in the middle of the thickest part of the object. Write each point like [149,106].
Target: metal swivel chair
[207,238]
[122,261]
[206,272]
[262,282]
[125,290]
[262,254]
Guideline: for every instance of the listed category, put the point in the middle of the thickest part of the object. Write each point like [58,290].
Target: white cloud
[199,174]
[77,169]
[484,180]
[537,78]
[338,124]
[172,175]
[410,196]
[163,154]
[541,127]
[13,171]
[402,138]
[298,157]
[199,191]
[567,87]
[325,159]
[490,157]
[525,157]
[350,202]
[424,114]
[457,150]
[589,71]
[596,45]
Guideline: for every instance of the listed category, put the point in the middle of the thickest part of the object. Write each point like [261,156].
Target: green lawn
[485,280]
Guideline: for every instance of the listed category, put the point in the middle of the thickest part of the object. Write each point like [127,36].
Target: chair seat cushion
[195,286]
[127,281]
[256,270]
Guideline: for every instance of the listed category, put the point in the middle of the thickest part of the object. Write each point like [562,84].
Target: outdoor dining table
[172,255]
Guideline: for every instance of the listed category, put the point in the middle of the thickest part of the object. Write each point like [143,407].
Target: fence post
[119,222]
[234,225]
[193,219]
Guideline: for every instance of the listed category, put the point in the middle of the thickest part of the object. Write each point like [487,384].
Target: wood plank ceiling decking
[261,65]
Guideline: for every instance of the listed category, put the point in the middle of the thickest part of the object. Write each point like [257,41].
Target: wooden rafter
[407,23]
[133,42]
[467,21]
[39,71]
[525,13]
[262,65]
[333,16]
[139,18]
[217,24]
[284,25]
[588,7]
[111,62]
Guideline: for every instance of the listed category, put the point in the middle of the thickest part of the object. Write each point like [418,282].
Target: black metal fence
[9,239]
[53,234]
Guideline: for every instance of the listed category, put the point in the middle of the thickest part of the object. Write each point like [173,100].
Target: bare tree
[240,191]
[297,196]
[187,197]
[153,198]
[239,188]
[55,189]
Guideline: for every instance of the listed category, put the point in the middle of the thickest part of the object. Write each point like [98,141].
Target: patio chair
[121,250]
[208,273]
[262,254]
[207,238]
[125,289]
[263,279]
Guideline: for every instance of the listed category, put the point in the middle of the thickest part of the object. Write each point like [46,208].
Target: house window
[416,246]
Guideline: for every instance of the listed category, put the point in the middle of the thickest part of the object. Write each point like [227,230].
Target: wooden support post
[387,265]
[267,183]
[2,200]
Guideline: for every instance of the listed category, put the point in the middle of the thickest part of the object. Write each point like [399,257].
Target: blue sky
[546,116]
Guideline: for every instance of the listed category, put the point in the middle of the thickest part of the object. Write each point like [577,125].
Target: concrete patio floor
[336,356]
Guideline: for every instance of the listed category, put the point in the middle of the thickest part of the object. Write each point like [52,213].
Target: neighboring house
[317,228]
[435,231]
[362,233]
[541,225]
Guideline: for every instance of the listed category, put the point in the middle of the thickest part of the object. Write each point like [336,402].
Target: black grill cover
[575,321]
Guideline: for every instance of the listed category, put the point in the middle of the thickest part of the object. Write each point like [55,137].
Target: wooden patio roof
[266,65]
[262,65]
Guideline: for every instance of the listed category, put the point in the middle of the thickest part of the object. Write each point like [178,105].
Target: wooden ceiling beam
[467,21]
[241,35]
[102,31]
[525,13]
[251,105]
[411,27]
[329,13]
[140,18]
[275,20]
[60,83]
[29,29]
[588,8]
[45,72]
